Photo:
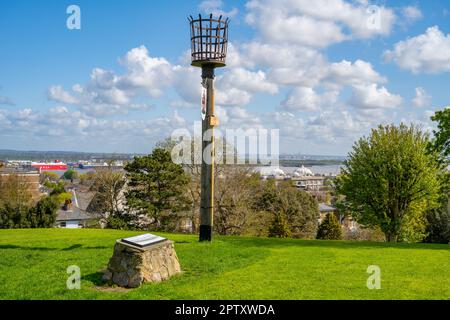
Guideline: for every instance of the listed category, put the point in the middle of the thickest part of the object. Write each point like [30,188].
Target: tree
[438,227]
[235,192]
[329,229]
[56,187]
[157,187]
[279,227]
[289,205]
[389,177]
[70,175]
[108,185]
[15,201]
[43,215]
[441,141]
[48,176]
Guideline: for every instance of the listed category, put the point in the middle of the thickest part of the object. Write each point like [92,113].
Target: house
[309,183]
[71,216]
[347,222]
[24,177]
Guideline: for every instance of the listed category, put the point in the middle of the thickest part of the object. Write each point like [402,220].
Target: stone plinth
[132,265]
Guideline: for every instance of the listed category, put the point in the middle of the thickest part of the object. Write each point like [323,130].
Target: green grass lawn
[33,265]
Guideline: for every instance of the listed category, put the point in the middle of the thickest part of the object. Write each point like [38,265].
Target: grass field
[33,265]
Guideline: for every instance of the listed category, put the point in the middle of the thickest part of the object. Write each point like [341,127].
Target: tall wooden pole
[208,157]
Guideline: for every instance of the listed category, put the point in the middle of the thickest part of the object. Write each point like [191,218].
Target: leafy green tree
[329,229]
[48,176]
[157,187]
[441,141]
[56,187]
[389,177]
[285,202]
[70,175]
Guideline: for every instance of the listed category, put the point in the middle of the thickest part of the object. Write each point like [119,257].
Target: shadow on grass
[96,278]
[72,247]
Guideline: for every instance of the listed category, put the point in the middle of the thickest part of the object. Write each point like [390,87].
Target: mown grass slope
[33,265]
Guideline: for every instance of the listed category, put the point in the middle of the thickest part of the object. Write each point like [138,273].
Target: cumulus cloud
[411,14]
[374,97]
[357,73]
[306,99]
[422,99]
[75,126]
[108,93]
[426,53]
[318,23]
[216,8]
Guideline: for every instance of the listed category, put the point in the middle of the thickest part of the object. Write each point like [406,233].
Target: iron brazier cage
[209,40]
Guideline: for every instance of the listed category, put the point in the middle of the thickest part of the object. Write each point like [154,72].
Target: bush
[279,227]
[329,229]
[44,214]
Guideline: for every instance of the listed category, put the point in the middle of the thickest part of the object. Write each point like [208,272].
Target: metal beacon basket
[209,40]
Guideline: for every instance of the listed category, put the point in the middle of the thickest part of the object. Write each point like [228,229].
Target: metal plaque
[144,240]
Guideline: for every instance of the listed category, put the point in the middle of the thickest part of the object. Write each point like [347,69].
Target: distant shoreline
[73,156]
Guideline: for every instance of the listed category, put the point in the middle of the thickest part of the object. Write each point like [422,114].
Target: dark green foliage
[122,221]
[390,180]
[329,229]
[157,187]
[299,209]
[279,227]
[438,228]
[14,218]
[44,214]
[56,187]
[70,175]
[441,141]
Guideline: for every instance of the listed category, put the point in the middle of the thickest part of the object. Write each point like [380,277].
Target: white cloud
[426,53]
[306,99]
[78,127]
[422,99]
[374,97]
[411,14]
[145,72]
[108,93]
[348,73]
[317,23]
[246,80]
[58,94]
[216,8]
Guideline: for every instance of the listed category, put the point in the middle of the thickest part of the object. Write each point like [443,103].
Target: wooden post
[208,158]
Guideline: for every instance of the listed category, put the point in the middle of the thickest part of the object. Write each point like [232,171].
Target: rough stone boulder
[130,265]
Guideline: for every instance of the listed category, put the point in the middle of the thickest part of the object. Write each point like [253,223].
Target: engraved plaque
[144,240]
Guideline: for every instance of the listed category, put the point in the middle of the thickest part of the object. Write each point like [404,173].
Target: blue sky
[314,70]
